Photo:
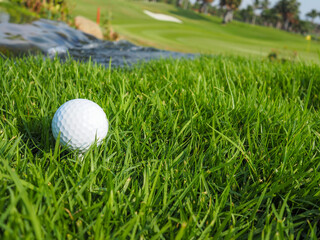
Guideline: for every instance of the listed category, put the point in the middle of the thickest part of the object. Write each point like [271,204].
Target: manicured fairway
[198,33]
[215,148]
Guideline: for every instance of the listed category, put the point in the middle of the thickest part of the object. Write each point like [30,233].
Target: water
[53,38]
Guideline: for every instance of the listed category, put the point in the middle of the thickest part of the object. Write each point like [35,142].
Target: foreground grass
[198,32]
[215,148]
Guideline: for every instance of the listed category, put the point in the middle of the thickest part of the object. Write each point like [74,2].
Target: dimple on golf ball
[81,123]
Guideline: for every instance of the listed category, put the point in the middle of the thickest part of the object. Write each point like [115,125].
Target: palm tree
[312,14]
[265,4]
[255,6]
[267,14]
[271,18]
[231,6]
[182,3]
[247,14]
[288,9]
[204,5]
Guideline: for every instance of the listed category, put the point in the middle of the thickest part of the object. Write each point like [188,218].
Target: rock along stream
[25,35]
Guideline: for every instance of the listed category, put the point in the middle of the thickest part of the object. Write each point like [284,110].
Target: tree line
[283,15]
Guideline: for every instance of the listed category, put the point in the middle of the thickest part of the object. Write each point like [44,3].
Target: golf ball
[80,122]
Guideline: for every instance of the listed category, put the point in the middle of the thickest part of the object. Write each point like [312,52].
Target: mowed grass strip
[214,148]
[199,33]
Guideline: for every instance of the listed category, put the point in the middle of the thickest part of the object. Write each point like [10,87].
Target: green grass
[198,33]
[215,148]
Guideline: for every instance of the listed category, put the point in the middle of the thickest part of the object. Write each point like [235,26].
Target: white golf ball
[80,122]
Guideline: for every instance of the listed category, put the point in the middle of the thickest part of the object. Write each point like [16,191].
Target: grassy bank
[216,147]
[198,32]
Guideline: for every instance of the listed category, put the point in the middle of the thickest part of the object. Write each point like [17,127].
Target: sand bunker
[162,17]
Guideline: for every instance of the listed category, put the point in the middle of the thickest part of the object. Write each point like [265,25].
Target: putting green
[198,33]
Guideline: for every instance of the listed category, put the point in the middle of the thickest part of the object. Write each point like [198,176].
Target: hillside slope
[198,33]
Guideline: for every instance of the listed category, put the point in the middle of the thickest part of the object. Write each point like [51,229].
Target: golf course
[224,145]
[198,33]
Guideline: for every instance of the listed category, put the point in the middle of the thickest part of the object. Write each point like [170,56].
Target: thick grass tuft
[218,148]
